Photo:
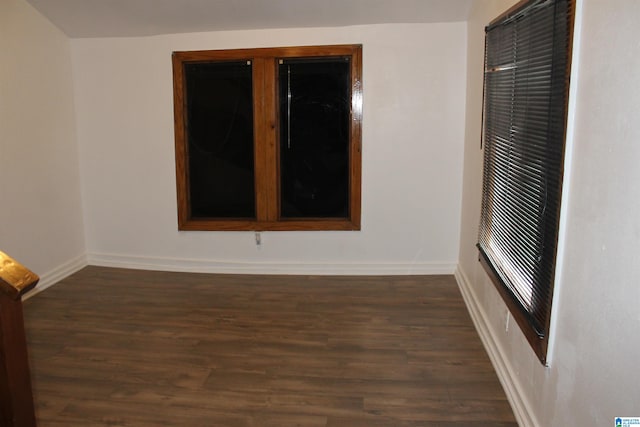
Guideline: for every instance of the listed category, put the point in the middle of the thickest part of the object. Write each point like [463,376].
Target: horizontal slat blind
[526,82]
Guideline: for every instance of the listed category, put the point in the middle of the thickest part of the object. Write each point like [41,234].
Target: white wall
[414,95]
[593,374]
[40,210]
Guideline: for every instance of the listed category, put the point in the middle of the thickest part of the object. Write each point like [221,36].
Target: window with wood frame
[527,68]
[268,139]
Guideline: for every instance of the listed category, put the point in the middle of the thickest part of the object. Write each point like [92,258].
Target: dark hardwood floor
[115,347]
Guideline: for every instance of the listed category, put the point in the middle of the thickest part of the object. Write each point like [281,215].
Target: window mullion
[262,140]
[272,172]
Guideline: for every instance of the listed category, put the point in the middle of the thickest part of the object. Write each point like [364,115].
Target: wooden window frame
[266,137]
[534,321]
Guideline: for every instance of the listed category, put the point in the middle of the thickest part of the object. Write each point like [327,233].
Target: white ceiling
[127,18]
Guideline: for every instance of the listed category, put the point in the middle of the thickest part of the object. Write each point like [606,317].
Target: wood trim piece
[16,397]
[538,343]
[281,225]
[272,52]
[261,167]
[181,146]
[15,279]
[356,139]
[270,140]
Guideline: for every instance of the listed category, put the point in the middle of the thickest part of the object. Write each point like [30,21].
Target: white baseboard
[54,276]
[512,387]
[212,266]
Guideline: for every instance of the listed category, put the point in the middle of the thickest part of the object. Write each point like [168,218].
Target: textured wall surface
[40,207]
[592,375]
[414,88]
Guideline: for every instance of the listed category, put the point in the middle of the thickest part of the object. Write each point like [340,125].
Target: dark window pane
[315,99]
[220,129]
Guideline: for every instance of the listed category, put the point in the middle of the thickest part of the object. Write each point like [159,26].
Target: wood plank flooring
[115,347]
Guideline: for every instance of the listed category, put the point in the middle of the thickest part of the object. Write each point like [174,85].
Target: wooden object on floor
[16,397]
[115,347]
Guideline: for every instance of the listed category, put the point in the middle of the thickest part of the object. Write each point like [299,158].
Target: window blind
[527,56]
